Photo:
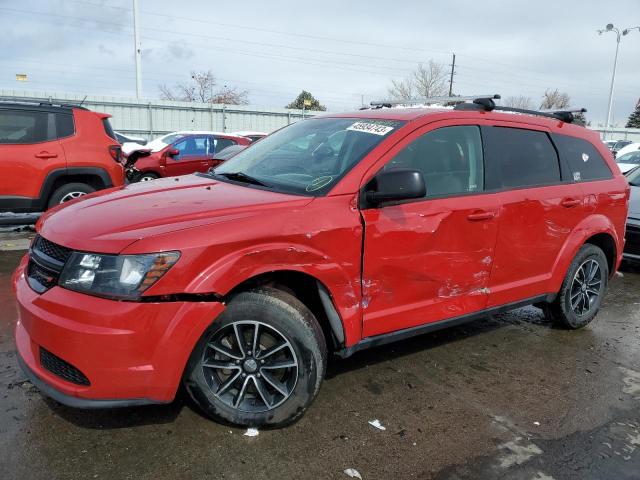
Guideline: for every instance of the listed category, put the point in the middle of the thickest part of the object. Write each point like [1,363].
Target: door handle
[570,202]
[46,155]
[480,215]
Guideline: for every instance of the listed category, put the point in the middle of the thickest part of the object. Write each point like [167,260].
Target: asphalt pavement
[509,397]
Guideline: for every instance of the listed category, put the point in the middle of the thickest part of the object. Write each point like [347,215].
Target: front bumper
[132,353]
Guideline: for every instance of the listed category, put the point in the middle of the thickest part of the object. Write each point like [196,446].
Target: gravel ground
[507,397]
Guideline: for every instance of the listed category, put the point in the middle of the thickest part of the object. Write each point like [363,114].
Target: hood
[109,221]
[625,167]
[634,203]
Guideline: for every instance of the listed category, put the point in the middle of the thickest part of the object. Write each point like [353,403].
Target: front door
[193,155]
[430,259]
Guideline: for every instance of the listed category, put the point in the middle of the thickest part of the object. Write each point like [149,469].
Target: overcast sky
[339,50]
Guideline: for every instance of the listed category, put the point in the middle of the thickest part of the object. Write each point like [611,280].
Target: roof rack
[487,104]
[41,102]
[426,101]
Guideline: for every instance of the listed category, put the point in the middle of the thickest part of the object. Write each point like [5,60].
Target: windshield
[631,157]
[634,177]
[308,157]
[161,142]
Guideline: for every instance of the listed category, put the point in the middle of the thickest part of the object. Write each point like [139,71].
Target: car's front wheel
[260,363]
[582,290]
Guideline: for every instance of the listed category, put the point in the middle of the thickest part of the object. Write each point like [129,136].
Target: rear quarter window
[516,158]
[64,125]
[582,159]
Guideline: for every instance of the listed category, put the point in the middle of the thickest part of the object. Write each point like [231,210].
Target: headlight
[115,276]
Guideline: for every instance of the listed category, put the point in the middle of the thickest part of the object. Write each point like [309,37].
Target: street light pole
[137,50]
[619,35]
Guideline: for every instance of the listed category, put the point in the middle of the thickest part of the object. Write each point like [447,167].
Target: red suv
[334,234]
[51,154]
[181,153]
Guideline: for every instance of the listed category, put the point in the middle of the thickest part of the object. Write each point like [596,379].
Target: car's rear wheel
[580,296]
[146,177]
[260,363]
[68,192]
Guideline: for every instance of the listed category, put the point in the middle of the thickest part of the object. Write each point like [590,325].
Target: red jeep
[50,154]
[181,153]
[334,234]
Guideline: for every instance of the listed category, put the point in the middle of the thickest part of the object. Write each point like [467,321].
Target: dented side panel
[426,261]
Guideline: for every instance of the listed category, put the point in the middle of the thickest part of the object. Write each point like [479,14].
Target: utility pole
[453,71]
[137,50]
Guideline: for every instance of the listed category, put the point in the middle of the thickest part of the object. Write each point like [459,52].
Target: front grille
[46,261]
[52,250]
[632,239]
[62,369]
[45,278]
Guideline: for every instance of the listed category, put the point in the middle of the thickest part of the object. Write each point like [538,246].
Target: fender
[231,270]
[590,226]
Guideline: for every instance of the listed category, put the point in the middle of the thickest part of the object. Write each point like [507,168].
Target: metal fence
[152,118]
[632,134]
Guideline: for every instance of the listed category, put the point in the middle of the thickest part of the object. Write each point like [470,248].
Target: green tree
[634,118]
[298,103]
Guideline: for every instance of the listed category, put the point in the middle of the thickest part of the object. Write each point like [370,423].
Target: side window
[222,143]
[582,158]
[517,157]
[449,158]
[192,146]
[64,125]
[24,126]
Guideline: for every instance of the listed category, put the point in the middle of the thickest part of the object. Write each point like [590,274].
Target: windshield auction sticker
[373,128]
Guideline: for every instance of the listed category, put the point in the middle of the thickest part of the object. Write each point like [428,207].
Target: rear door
[539,207]
[195,154]
[430,259]
[29,150]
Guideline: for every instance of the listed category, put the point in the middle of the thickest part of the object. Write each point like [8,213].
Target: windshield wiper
[241,177]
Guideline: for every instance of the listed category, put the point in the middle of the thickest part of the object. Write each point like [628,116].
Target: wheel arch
[312,292]
[596,230]
[98,178]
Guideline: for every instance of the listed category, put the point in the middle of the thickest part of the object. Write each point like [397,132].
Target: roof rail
[427,100]
[487,104]
[41,102]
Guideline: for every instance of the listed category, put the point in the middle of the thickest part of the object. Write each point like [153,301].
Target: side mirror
[173,152]
[400,184]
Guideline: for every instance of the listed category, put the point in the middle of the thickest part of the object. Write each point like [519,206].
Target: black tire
[288,317]
[570,309]
[146,176]
[68,192]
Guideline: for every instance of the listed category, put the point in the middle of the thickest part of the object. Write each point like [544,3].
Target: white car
[159,143]
[628,161]
[253,136]
[634,147]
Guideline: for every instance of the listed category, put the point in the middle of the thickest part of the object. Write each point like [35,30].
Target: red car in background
[50,154]
[181,153]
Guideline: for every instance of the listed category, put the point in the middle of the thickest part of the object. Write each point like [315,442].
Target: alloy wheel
[585,287]
[71,196]
[250,366]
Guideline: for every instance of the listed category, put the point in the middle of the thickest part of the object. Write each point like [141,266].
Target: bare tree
[426,81]
[231,96]
[554,99]
[519,101]
[166,93]
[202,88]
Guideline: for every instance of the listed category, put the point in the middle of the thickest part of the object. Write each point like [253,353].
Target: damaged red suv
[334,234]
